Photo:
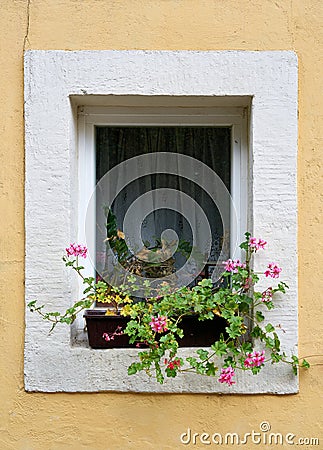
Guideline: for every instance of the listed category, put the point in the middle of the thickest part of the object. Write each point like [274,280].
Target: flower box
[98,324]
[196,333]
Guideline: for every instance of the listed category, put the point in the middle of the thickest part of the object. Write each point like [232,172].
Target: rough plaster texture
[51,77]
[117,421]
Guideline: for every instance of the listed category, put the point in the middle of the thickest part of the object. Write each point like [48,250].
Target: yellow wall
[117,421]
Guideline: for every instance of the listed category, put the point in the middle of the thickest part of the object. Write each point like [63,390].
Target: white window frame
[56,83]
[91,116]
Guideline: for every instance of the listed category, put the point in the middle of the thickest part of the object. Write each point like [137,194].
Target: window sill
[88,370]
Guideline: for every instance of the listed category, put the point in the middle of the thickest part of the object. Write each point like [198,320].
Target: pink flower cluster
[226,376]
[273,270]
[76,250]
[247,283]
[232,265]
[267,295]
[255,359]
[158,324]
[176,363]
[257,244]
[110,336]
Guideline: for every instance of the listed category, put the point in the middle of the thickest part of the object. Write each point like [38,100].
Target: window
[214,136]
[60,169]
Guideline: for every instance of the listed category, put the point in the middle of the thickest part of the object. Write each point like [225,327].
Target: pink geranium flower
[226,376]
[273,270]
[158,324]
[248,283]
[176,363]
[257,244]
[76,250]
[267,295]
[255,359]
[232,265]
[110,336]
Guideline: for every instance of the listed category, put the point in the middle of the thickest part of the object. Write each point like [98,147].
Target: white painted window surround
[56,83]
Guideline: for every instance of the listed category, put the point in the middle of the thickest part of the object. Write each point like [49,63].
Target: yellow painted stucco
[36,421]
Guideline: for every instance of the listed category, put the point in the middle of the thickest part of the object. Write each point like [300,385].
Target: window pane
[210,145]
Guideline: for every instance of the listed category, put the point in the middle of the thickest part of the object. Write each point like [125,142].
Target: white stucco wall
[51,195]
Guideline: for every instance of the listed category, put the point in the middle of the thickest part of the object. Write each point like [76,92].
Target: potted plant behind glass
[160,323]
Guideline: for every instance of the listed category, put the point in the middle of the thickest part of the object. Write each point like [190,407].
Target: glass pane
[210,145]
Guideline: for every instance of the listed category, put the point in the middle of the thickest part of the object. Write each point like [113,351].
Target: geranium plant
[155,323]
[95,291]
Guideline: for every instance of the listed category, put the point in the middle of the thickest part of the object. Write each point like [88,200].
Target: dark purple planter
[199,333]
[98,323]
[196,333]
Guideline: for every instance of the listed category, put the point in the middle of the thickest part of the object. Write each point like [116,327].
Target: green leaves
[305,364]
[257,332]
[203,354]
[269,328]
[219,348]
[199,367]
[210,369]
[244,245]
[276,342]
[57,317]
[259,316]
[206,282]
[171,373]
[282,287]
[246,347]
[32,306]
[269,305]
[276,357]
[234,329]
[296,364]
[134,368]
[255,370]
